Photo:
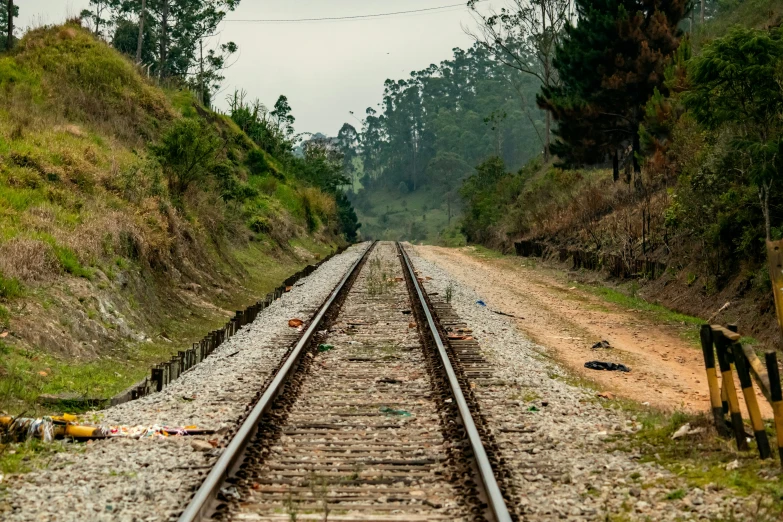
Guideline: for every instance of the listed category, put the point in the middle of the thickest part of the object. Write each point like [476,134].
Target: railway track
[369,418]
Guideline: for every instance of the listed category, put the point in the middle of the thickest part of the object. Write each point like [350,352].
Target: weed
[677,494]
[449,292]
[379,277]
[10,288]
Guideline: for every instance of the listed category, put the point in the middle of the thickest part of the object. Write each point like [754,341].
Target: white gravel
[152,479]
[562,463]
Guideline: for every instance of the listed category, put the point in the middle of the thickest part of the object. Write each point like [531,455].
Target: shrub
[187,152]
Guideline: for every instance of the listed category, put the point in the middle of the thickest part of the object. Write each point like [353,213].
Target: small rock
[201,445]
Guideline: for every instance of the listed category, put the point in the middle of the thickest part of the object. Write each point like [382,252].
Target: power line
[356,17]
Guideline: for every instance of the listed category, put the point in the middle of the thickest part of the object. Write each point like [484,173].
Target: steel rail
[201,503]
[497,503]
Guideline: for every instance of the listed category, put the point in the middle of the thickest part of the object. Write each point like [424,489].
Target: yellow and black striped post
[712,381]
[777,399]
[721,346]
[751,401]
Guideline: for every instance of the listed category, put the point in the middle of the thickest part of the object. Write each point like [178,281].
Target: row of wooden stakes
[732,357]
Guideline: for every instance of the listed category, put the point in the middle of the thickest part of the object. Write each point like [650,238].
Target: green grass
[28,456]
[700,460]
[10,288]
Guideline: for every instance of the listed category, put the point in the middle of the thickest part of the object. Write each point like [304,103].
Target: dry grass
[28,260]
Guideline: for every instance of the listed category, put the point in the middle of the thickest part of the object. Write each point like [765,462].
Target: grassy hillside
[415,216]
[109,261]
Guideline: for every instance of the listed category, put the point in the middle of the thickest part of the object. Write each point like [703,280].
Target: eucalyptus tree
[524,36]
[7,23]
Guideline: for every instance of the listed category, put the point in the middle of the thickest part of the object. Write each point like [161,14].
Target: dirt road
[667,371]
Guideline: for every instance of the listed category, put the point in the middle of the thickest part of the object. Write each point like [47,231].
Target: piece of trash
[43,373]
[392,411]
[682,431]
[213,442]
[572,288]
[201,445]
[645,404]
[481,303]
[295,323]
[686,430]
[732,465]
[533,408]
[601,344]
[411,325]
[505,314]
[4,335]
[605,395]
[289,288]
[325,347]
[608,366]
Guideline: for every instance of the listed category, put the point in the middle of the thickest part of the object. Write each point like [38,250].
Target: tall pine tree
[609,66]
[6,23]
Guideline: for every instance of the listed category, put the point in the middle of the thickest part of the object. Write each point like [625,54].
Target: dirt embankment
[667,369]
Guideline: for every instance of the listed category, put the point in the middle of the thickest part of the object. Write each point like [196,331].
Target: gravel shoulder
[557,437]
[151,479]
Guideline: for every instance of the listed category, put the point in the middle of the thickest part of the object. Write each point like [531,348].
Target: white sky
[325,68]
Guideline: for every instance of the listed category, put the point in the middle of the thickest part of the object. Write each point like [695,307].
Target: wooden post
[712,381]
[751,402]
[775,262]
[722,344]
[777,399]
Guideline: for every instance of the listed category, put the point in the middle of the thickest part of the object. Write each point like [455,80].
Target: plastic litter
[607,366]
[481,303]
[533,408]
[295,323]
[392,411]
[325,347]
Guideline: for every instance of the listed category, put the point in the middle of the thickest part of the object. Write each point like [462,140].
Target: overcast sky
[325,68]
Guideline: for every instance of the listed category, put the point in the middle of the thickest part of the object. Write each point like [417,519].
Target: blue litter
[481,303]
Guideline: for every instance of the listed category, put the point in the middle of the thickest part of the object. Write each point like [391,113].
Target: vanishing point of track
[366,418]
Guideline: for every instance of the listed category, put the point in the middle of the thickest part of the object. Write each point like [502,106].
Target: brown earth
[667,370]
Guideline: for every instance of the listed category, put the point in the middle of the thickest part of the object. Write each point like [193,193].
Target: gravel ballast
[556,437]
[152,479]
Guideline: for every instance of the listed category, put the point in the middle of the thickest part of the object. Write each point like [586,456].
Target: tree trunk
[548,116]
[9,43]
[637,168]
[141,30]
[615,166]
[164,34]
[201,72]
[701,15]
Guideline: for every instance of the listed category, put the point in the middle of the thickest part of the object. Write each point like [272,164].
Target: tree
[99,14]
[7,23]
[348,144]
[737,87]
[126,39]
[524,36]
[448,171]
[610,64]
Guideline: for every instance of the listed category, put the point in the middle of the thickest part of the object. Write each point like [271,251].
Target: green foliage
[188,153]
[441,121]
[609,65]
[4,22]
[10,288]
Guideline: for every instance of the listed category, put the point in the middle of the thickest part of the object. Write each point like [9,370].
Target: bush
[187,152]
